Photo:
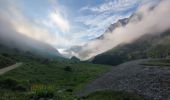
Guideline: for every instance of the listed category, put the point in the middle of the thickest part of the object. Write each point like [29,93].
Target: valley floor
[65,80]
[34,79]
[6,69]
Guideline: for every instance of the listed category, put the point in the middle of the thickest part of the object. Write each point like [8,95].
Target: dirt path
[151,82]
[6,69]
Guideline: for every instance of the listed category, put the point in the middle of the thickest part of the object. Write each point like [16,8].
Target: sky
[66,23]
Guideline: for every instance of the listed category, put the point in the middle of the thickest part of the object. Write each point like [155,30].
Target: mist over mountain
[147,20]
[147,46]
[122,23]
[11,39]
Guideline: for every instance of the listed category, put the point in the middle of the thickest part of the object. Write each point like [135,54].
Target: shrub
[11,85]
[69,90]
[68,68]
[5,55]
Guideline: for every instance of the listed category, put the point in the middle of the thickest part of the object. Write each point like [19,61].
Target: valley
[84,50]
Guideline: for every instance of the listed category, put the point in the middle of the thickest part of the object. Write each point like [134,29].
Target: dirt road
[6,69]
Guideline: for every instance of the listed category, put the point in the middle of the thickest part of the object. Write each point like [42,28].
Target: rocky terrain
[151,82]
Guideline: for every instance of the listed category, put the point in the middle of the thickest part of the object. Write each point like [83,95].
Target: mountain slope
[147,46]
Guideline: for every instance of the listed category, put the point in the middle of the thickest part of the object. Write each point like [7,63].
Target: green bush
[68,68]
[11,85]
[5,54]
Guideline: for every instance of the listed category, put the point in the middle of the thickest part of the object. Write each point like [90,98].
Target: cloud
[114,6]
[62,23]
[102,15]
[153,21]
[43,30]
[12,38]
[58,16]
[98,23]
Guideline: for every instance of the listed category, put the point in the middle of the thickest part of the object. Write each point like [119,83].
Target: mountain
[147,46]
[122,23]
[75,59]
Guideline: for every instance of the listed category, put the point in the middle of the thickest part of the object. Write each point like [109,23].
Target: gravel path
[6,69]
[152,82]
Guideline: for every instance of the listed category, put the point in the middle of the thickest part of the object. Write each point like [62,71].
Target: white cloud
[155,21]
[114,6]
[105,14]
[44,30]
[58,16]
[60,21]
[98,23]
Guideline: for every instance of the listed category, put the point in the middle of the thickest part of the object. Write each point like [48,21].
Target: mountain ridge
[147,46]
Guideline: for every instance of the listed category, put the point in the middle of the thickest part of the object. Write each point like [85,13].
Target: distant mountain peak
[122,23]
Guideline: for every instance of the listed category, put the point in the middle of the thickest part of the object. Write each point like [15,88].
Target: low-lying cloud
[155,21]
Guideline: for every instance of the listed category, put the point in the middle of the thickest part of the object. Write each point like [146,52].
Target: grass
[158,62]
[112,95]
[65,78]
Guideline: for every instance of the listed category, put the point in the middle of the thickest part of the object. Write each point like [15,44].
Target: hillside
[147,46]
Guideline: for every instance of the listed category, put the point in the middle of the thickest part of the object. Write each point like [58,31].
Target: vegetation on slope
[148,46]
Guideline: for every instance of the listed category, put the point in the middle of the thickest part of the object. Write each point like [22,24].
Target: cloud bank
[153,21]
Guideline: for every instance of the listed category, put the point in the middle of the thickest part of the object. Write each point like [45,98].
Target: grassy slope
[64,82]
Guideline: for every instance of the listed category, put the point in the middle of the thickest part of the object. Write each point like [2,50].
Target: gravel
[151,82]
